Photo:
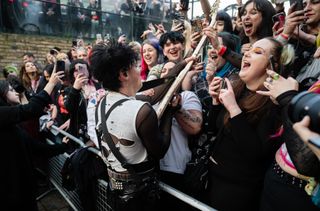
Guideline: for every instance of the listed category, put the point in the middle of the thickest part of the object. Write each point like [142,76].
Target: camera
[303,104]
[16,84]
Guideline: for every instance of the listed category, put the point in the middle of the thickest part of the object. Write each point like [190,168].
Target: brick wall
[13,46]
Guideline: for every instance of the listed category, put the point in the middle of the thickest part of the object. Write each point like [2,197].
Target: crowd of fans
[84,18]
[237,93]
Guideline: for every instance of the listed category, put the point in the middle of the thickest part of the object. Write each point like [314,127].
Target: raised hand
[276,31]
[293,19]
[195,37]
[211,69]
[54,79]
[276,85]
[213,37]
[214,89]
[245,47]
[177,27]
[80,81]
[228,99]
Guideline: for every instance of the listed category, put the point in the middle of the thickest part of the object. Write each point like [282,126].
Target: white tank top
[122,124]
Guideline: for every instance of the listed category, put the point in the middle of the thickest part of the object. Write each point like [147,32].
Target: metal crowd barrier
[55,166]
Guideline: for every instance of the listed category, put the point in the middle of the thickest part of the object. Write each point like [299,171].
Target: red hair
[144,67]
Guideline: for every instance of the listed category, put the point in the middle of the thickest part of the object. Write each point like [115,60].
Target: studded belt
[289,179]
[127,182]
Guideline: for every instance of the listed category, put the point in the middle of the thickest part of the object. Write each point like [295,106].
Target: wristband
[284,36]
[222,50]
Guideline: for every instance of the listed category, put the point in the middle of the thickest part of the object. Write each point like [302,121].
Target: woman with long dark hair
[256,17]
[31,78]
[223,22]
[82,91]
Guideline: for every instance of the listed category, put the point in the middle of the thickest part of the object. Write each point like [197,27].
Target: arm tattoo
[188,117]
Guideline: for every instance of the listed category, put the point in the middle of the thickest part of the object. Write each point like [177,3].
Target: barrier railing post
[184,197]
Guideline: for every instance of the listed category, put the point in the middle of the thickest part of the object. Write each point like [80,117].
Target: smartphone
[299,4]
[178,19]
[107,37]
[61,67]
[82,68]
[272,63]
[196,25]
[279,17]
[223,84]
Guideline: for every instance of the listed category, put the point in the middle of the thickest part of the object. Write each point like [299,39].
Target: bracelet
[222,50]
[284,36]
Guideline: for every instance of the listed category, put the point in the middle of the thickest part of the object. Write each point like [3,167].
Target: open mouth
[173,53]
[248,27]
[214,56]
[246,65]
[147,59]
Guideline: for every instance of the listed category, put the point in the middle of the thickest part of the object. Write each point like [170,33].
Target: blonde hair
[287,55]
[136,46]
[62,56]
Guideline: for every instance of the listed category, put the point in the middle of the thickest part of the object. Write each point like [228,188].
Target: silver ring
[269,80]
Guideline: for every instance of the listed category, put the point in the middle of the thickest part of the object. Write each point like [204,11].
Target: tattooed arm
[189,117]
[189,120]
